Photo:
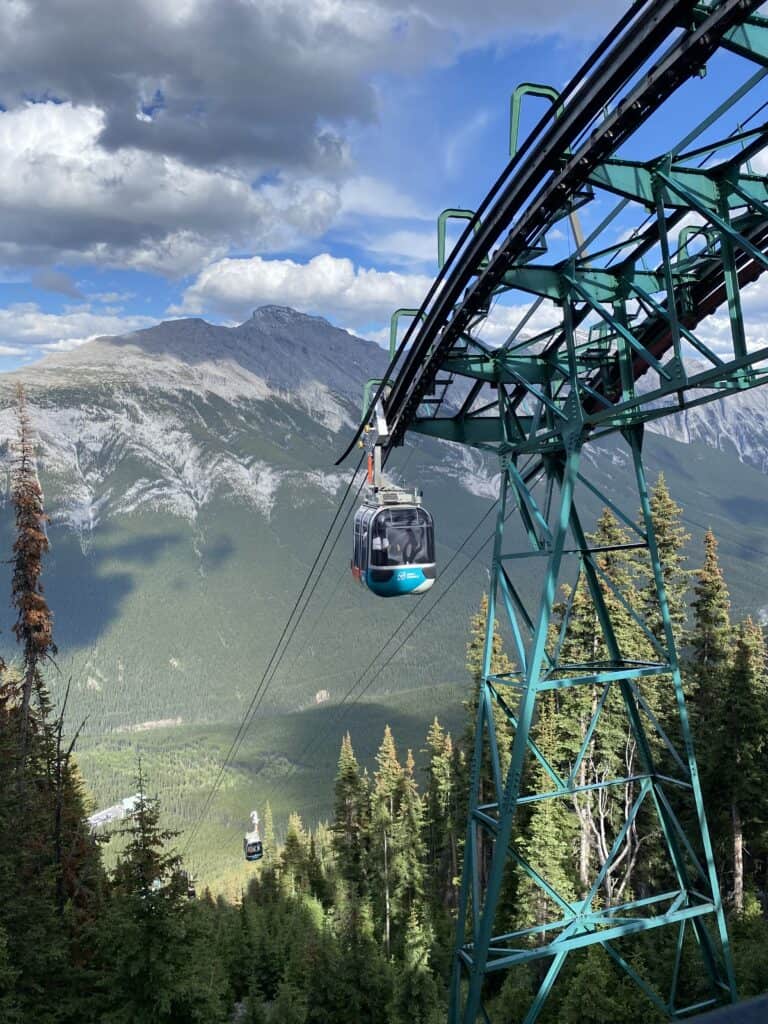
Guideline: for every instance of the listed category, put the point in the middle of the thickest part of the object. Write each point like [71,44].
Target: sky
[169,158]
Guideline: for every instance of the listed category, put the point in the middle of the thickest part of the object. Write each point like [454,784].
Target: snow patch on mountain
[737,425]
[471,470]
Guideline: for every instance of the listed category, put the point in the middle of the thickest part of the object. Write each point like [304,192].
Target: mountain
[189,474]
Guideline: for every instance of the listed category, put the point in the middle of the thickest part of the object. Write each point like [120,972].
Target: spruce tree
[742,752]
[499,664]
[269,842]
[566,718]
[351,819]
[710,638]
[154,943]
[10,1012]
[50,869]
[409,851]
[385,802]
[294,875]
[415,999]
[708,674]
[551,831]
[440,818]
[671,539]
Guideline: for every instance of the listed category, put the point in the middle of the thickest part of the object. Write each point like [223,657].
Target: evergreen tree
[499,665]
[155,946]
[10,1012]
[409,851]
[349,979]
[742,752]
[710,639]
[440,822]
[709,676]
[50,869]
[415,999]
[671,538]
[385,802]
[351,819]
[566,718]
[593,992]
[269,842]
[294,876]
[290,1007]
[516,995]
[550,836]
[34,621]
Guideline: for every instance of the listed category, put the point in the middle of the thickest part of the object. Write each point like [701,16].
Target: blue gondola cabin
[394,551]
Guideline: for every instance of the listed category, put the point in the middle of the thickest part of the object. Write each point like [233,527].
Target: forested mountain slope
[188,474]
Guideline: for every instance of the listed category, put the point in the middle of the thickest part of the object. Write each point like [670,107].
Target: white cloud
[326,284]
[251,82]
[371,197]
[67,199]
[503,319]
[30,330]
[63,194]
[406,246]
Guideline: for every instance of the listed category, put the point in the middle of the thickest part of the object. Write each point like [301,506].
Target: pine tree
[294,876]
[351,819]
[593,992]
[409,851]
[385,802]
[499,665]
[440,822]
[671,538]
[710,638]
[551,831]
[269,842]
[708,675]
[415,999]
[155,946]
[742,753]
[290,1007]
[50,870]
[10,1012]
[611,751]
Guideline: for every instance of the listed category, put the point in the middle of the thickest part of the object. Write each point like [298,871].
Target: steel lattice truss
[643,318]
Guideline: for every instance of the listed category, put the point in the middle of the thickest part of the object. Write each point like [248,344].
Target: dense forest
[352,920]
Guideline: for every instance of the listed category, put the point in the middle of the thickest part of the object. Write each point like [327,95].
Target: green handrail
[546,92]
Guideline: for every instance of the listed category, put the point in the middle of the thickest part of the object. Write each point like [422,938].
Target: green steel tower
[642,319]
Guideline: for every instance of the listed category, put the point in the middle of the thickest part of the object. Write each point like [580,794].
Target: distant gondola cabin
[253,850]
[252,847]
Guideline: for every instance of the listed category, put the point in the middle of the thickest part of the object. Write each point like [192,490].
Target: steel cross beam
[664,787]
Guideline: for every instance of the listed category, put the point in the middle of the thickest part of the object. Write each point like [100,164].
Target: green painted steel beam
[642,182]
[724,378]
[592,935]
[749,39]
[603,285]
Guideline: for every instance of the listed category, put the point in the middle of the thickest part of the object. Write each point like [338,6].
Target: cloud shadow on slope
[87,592]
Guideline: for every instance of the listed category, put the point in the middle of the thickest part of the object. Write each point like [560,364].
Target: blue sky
[168,158]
